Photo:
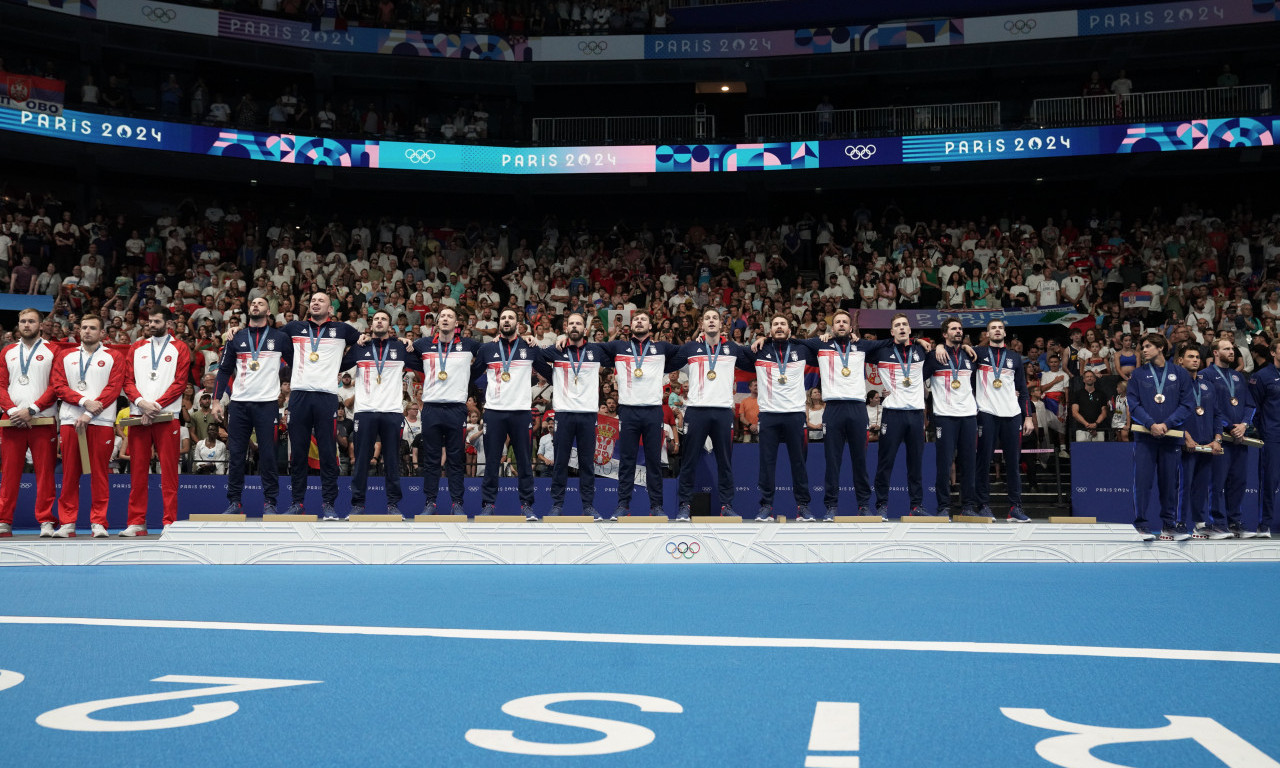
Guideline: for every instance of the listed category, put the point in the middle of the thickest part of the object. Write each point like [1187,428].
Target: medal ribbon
[782,358]
[255,343]
[380,360]
[315,337]
[844,353]
[84,368]
[155,358]
[1230,382]
[507,354]
[639,356]
[575,365]
[1195,390]
[25,365]
[712,356]
[442,353]
[954,364]
[1160,381]
[998,354]
[905,364]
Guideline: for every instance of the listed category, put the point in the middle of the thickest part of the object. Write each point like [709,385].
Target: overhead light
[720,86]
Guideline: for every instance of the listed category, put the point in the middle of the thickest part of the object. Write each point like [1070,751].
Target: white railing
[637,129]
[1153,105]
[875,121]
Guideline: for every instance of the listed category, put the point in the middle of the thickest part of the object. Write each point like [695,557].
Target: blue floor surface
[412,700]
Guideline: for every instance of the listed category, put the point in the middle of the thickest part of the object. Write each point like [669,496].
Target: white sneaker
[6,530]
[134,530]
[47,529]
[66,531]
[100,531]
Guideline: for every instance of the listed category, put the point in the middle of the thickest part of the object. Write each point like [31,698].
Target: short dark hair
[390,319]
[163,312]
[1157,340]
[946,324]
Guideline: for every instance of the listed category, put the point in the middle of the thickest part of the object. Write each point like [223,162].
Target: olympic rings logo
[860,151]
[420,156]
[1019,26]
[593,47]
[159,15]
[683,549]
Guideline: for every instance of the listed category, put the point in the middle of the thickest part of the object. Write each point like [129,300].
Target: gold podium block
[644,519]
[375,518]
[859,519]
[1074,520]
[440,519]
[290,518]
[714,519]
[971,519]
[558,519]
[925,519]
[217,518]
[499,519]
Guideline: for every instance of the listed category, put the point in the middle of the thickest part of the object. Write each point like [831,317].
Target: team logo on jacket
[591,356]
[1205,387]
[168,358]
[522,355]
[393,354]
[102,363]
[793,357]
[1173,377]
[271,344]
[40,358]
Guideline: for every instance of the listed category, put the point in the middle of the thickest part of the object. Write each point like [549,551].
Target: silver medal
[82,385]
[24,380]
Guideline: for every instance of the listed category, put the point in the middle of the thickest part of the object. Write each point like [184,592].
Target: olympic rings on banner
[159,15]
[593,47]
[860,151]
[1020,26]
[683,549]
[420,156]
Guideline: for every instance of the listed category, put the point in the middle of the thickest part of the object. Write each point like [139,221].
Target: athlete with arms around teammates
[1004,418]
[1202,428]
[955,416]
[710,361]
[447,358]
[1235,409]
[252,364]
[380,365]
[1264,385]
[1160,399]
[319,344]
[640,364]
[901,370]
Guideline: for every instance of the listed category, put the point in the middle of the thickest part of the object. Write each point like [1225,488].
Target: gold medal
[955,383]
[782,379]
[506,376]
[639,373]
[255,365]
[906,382]
[845,371]
[575,381]
[1235,401]
[997,383]
[711,375]
[1159,398]
[378,379]
[1199,411]
[442,375]
[314,357]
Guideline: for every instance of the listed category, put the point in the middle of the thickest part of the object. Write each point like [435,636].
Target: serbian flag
[1135,300]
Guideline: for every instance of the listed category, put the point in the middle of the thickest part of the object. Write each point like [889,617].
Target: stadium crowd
[1193,275]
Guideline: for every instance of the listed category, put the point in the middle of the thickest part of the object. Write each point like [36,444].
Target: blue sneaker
[1217,532]
[916,511]
[829,516]
[803,515]
[356,509]
[765,515]
[234,508]
[328,513]
[943,512]
[682,516]
[486,510]
[392,509]
[967,512]
[529,515]
[883,511]
[1264,532]
[985,511]
[1016,515]
[295,509]
[457,509]
[659,511]
[268,509]
[555,511]
[590,510]
[1180,532]
[429,509]
[1145,534]
[727,511]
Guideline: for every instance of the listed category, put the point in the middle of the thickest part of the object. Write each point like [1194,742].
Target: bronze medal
[1159,398]
[782,379]
[378,379]
[1199,411]
[1235,401]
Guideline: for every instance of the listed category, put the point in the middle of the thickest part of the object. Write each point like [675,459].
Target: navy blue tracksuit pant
[955,433]
[260,419]
[443,425]
[313,413]
[498,426]
[1197,476]
[846,424]
[637,423]
[1268,479]
[580,428]
[1159,459]
[371,428]
[786,429]
[1004,432]
[1229,472]
[900,426]
[701,422]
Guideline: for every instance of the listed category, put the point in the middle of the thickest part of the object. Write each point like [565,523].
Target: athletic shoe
[328,513]
[966,512]
[99,531]
[392,509]
[555,511]
[805,516]
[6,531]
[727,511]
[234,508]
[682,515]
[1165,535]
[456,509]
[986,512]
[1241,533]
[765,515]
[944,512]
[295,509]
[65,531]
[1062,453]
[487,509]
[1200,525]
[624,511]
[1200,533]
[612,517]
[1217,532]
[1264,532]
[134,530]
[916,512]
[829,516]
[429,509]
[864,510]
[47,529]
[1180,532]
[659,511]
[1016,515]
[356,509]
[529,515]
[883,511]
[596,517]
[1145,534]
[590,510]
[268,509]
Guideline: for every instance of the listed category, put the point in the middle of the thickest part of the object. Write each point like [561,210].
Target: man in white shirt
[1048,290]
[210,456]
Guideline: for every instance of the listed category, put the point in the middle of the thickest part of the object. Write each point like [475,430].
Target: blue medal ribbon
[639,356]
[782,361]
[155,358]
[507,355]
[844,353]
[84,367]
[442,353]
[904,364]
[1160,381]
[25,365]
[380,360]
[255,343]
[999,360]
[575,365]
[314,337]
[1195,391]
[712,356]
[1230,382]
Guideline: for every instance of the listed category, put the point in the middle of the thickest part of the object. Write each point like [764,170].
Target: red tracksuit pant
[14,443]
[166,438]
[101,440]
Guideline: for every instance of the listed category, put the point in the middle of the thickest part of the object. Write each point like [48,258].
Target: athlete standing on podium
[1159,399]
[380,364]
[254,358]
[156,373]
[1004,417]
[901,369]
[319,344]
[447,358]
[955,414]
[1202,428]
[1265,388]
[1235,407]
[26,394]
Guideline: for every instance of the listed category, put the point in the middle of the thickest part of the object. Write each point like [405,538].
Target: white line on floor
[705,641]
